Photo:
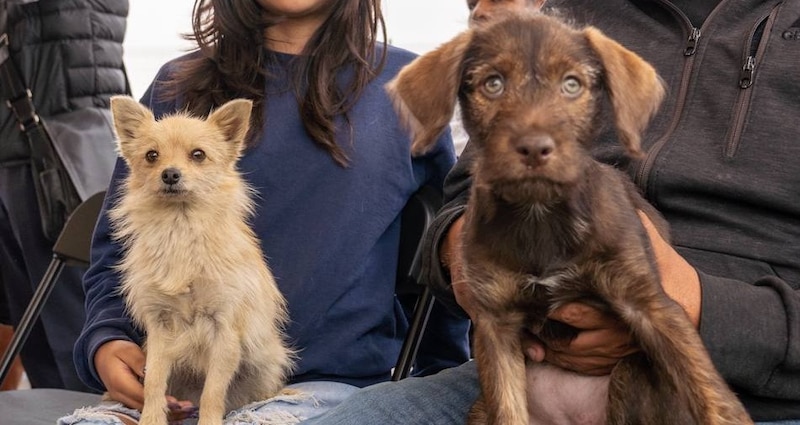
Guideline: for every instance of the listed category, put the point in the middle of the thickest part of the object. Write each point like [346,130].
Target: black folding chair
[71,248]
[418,214]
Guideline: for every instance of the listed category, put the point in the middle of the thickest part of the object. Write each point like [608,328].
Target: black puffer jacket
[70,54]
[722,166]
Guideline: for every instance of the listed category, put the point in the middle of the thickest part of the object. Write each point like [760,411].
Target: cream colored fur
[193,274]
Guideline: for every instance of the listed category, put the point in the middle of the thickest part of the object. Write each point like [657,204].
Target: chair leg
[408,352]
[31,314]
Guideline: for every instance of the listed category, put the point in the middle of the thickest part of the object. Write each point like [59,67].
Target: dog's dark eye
[571,86]
[198,155]
[493,86]
[151,156]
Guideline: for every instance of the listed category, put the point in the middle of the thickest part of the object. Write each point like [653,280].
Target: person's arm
[456,193]
[105,310]
[752,332]
[445,342]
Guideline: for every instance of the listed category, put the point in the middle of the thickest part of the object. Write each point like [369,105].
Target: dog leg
[224,356]
[501,369]
[665,333]
[158,369]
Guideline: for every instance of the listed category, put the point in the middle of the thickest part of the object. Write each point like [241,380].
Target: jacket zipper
[754,47]
[642,175]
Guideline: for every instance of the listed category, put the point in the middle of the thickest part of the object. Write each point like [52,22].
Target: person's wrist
[450,244]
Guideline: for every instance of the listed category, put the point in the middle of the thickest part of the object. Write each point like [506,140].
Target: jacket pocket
[752,55]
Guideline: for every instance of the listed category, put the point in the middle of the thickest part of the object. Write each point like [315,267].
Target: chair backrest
[72,248]
[73,245]
[417,216]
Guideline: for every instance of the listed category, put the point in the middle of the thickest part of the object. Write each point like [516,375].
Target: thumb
[534,349]
[135,360]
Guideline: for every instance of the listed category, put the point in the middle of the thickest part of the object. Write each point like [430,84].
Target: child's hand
[120,365]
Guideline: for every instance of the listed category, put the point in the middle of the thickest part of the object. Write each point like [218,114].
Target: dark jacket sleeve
[752,332]
[456,193]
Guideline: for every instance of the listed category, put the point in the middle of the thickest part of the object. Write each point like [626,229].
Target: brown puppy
[547,225]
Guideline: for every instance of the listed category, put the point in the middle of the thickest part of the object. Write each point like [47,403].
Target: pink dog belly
[560,397]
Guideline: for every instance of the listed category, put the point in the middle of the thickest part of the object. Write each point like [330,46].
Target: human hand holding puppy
[603,340]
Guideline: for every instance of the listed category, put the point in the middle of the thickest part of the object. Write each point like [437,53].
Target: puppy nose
[536,150]
[171,176]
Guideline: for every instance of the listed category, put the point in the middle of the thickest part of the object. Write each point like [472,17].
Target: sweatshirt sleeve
[752,332]
[106,319]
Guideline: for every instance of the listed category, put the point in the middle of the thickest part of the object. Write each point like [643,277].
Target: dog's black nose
[171,176]
[536,150]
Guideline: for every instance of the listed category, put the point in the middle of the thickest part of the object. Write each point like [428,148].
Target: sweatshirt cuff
[100,336]
[744,329]
[436,275]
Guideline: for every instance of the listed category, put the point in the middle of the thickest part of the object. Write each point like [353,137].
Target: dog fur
[193,274]
[546,224]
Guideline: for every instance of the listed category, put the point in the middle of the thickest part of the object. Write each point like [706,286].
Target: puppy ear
[129,117]
[424,92]
[634,87]
[233,119]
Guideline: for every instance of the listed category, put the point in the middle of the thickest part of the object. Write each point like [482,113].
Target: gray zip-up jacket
[723,166]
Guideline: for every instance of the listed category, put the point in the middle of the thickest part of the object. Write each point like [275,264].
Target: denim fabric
[441,399]
[444,398]
[789,422]
[306,400]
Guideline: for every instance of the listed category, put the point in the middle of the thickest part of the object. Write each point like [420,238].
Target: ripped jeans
[312,399]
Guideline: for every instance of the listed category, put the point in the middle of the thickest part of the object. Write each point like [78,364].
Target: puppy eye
[493,86]
[571,86]
[198,155]
[151,156]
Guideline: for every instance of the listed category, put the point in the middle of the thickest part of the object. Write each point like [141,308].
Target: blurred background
[155,26]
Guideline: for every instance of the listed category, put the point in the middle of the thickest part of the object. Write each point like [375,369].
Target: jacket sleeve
[752,332]
[445,342]
[456,193]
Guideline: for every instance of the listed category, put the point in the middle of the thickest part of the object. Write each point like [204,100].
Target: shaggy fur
[193,274]
[548,225]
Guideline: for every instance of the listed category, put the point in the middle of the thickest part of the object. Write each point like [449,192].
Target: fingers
[602,341]
[120,365]
[180,410]
[595,366]
[534,348]
[582,316]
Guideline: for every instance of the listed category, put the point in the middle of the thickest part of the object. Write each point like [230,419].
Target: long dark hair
[232,63]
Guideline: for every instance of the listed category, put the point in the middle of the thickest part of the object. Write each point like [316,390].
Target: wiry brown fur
[193,274]
[547,225]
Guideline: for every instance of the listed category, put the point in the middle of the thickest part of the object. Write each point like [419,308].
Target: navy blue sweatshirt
[330,234]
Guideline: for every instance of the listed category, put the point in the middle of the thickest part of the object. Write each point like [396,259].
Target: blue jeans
[313,399]
[441,399]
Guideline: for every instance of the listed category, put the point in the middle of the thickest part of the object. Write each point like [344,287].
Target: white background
[154,31]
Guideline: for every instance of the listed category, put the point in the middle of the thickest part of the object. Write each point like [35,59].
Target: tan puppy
[194,276]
